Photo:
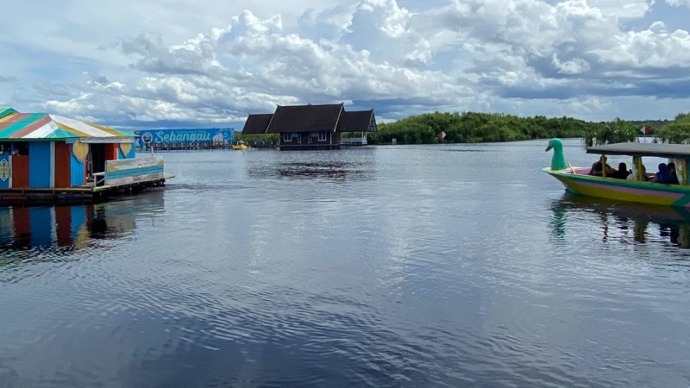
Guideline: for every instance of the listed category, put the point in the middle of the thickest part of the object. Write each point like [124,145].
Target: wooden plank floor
[88,192]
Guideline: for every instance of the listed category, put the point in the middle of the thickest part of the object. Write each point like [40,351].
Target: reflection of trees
[618,218]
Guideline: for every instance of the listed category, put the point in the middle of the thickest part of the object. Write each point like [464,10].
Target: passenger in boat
[622,172]
[645,176]
[662,175]
[672,175]
[597,169]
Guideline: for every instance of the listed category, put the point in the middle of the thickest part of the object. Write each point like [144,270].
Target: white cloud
[193,64]
[679,3]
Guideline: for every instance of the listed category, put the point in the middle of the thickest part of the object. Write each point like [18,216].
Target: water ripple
[384,266]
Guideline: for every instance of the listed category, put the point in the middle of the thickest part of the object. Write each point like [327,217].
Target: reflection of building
[24,227]
[312,127]
[72,226]
[47,156]
[179,139]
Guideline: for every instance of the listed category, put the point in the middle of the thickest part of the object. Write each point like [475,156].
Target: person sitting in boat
[643,174]
[661,176]
[597,169]
[672,175]
[622,172]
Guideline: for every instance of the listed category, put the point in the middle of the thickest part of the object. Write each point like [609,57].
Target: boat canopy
[671,151]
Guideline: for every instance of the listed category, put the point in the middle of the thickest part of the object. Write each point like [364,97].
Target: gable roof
[310,118]
[357,121]
[305,118]
[15,126]
[256,124]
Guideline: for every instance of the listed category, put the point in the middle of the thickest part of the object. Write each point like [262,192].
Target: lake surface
[447,265]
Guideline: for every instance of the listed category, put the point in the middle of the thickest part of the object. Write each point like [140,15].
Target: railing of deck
[127,171]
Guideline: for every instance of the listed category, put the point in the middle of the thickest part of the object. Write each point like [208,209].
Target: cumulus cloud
[679,3]
[514,56]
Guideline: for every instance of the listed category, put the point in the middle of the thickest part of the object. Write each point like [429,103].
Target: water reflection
[354,164]
[623,221]
[67,228]
[326,169]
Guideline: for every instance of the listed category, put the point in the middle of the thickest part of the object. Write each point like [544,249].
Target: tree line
[472,127]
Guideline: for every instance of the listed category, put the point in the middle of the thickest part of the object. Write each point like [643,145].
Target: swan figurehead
[557,160]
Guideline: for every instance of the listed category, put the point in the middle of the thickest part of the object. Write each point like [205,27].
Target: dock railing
[354,140]
[99,179]
[129,171]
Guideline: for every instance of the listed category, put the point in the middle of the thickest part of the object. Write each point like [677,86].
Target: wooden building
[44,156]
[312,127]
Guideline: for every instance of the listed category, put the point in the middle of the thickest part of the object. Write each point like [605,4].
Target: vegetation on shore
[472,127]
[676,131]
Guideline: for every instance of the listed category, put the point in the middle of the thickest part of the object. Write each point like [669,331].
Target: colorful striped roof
[4,111]
[15,126]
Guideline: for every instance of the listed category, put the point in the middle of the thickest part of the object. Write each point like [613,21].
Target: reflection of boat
[576,180]
[639,221]
[654,213]
[239,146]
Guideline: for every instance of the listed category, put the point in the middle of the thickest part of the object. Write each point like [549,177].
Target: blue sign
[170,136]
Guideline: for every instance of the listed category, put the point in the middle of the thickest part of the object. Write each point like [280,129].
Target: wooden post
[637,162]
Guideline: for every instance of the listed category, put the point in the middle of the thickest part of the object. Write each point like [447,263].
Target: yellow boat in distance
[638,189]
[239,146]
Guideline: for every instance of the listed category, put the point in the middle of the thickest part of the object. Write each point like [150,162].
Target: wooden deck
[86,193]
[122,177]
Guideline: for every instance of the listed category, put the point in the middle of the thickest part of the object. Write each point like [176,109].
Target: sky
[191,63]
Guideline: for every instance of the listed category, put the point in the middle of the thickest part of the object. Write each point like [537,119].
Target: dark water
[393,266]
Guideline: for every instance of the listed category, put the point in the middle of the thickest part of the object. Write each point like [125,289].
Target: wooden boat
[239,146]
[577,180]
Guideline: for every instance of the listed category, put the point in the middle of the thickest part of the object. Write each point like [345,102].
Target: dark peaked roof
[305,118]
[310,118]
[357,121]
[256,124]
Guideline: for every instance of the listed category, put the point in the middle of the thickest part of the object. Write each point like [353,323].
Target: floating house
[313,127]
[50,157]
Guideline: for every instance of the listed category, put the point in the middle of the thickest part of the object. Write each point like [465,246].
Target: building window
[287,137]
[323,136]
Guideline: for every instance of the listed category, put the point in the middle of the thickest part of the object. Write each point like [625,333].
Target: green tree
[474,127]
[618,131]
[677,131]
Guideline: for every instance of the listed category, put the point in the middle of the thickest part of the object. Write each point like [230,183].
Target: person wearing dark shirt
[672,176]
[622,172]
[597,169]
[662,175]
